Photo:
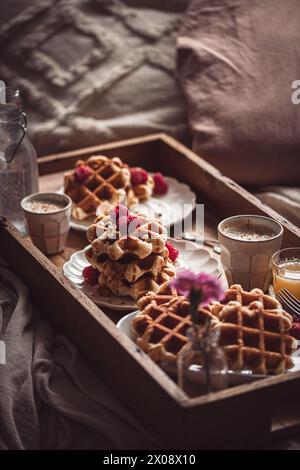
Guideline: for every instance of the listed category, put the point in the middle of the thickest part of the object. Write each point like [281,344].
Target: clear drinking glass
[286,272]
[18,159]
[202,365]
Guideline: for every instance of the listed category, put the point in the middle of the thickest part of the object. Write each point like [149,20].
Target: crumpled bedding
[49,397]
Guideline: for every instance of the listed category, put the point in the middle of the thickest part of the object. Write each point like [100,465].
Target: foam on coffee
[248,231]
[43,206]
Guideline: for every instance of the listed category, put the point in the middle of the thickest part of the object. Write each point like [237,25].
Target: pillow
[93,71]
[236,62]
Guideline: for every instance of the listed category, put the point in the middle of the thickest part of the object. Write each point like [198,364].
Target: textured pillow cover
[93,71]
[237,60]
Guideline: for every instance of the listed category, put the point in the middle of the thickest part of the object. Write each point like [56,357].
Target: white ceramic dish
[190,255]
[168,208]
[235,378]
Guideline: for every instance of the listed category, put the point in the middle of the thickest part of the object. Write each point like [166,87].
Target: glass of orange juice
[286,271]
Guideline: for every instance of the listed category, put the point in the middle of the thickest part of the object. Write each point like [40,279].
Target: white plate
[168,208]
[190,255]
[235,378]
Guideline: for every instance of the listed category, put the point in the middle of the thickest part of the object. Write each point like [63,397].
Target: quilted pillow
[93,71]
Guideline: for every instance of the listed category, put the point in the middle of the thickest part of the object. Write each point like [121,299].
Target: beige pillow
[93,71]
[237,60]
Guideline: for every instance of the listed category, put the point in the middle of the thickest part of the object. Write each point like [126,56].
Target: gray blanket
[49,398]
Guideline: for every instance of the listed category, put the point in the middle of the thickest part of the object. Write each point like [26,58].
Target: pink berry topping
[90,275]
[82,173]
[138,176]
[160,184]
[295,330]
[173,252]
[128,224]
[119,211]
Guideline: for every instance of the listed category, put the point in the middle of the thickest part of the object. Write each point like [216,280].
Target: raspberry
[90,275]
[82,173]
[138,176]
[173,252]
[160,184]
[119,211]
[130,218]
[124,224]
[295,330]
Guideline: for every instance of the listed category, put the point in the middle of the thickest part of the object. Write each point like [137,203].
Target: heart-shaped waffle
[139,237]
[129,252]
[130,266]
[148,281]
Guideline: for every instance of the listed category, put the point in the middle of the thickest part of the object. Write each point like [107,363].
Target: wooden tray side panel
[221,424]
[252,403]
[221,196]
[131,151]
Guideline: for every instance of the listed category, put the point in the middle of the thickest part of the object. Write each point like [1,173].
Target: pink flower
[206,286]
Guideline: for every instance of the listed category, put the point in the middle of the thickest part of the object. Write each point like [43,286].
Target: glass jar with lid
[18,159]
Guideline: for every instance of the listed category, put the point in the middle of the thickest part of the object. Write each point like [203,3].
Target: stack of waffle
[101,181]
[253,328]
[130,254]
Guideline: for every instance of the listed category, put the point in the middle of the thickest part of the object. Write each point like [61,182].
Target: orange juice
[287,275]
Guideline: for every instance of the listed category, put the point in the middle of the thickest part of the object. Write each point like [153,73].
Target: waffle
[244,298]
[254,331]
[253,328]
[142,240]
[143,191]
[129,266]
[129,252]
[108,184]
[148,281]
[162,323]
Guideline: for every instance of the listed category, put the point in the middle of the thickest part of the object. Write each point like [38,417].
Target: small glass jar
[202,365]
[18,160]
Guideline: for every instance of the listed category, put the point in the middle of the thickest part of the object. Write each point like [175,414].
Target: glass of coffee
[247,245]
[47,218]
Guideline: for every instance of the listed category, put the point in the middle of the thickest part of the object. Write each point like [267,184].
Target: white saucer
[190,256]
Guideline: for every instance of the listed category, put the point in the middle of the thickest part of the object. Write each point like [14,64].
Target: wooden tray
[238,417]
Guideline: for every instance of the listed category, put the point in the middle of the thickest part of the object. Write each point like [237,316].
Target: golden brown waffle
[238,294]
[162,323]
[148,281]
[144,238]
[142,192]
[253,328]
[108,184]
[129,252]
[254,331]
[130,267]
